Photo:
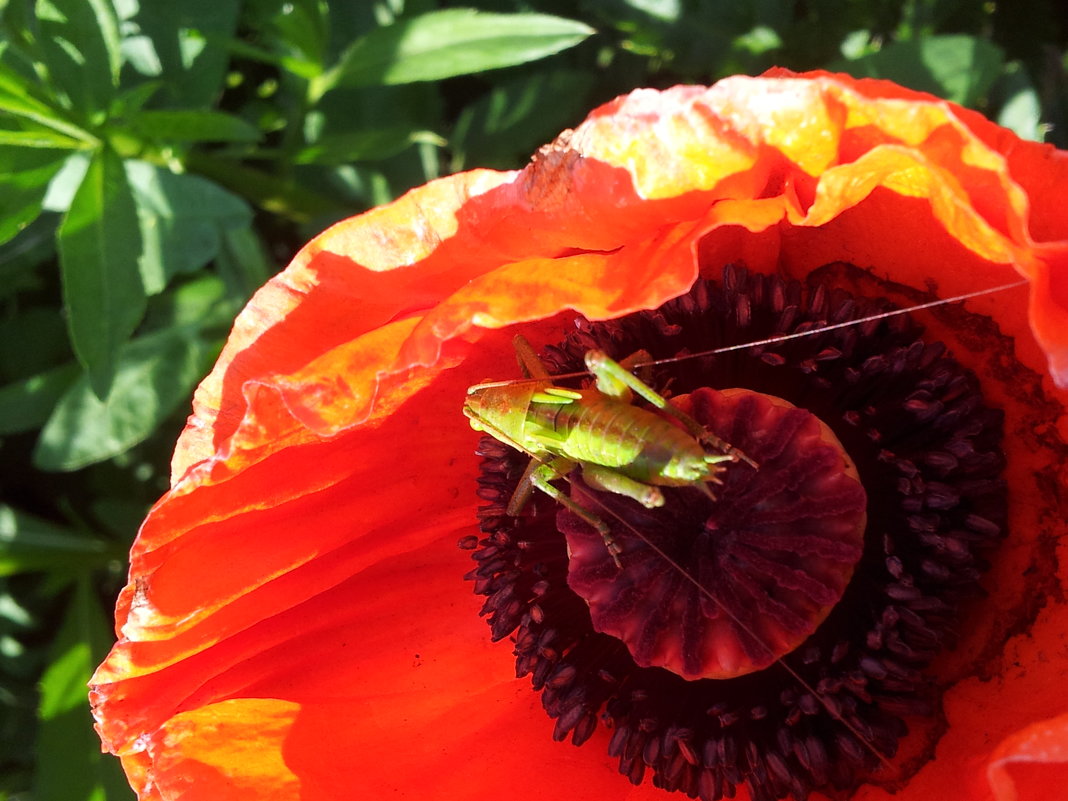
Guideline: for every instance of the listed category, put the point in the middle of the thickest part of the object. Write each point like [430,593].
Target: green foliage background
[159,161]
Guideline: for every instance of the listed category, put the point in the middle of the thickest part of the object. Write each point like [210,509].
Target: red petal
[1032,763]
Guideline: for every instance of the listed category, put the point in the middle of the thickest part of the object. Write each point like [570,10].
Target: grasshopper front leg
[540,475]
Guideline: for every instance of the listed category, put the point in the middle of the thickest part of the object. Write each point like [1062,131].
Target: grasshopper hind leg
[614,379]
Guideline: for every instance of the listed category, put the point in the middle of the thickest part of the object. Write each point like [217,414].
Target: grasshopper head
[473,407]
[498,408]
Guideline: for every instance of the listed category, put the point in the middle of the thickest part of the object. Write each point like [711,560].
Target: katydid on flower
[617,447]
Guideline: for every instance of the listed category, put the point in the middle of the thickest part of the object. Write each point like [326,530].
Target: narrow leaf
[70,766]
[99,244]
[298,66]
[194,126]
[39,139]
[18,99]
[81,44]
[154,375]
[28,543]
[442,44]
[366,145]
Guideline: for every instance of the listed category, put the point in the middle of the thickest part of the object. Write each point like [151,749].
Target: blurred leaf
[154,374]
[80,41]
[181,217]
[1021,112]
[366,145]
[28,543]
[27,404]
[39,139]
[958,68]
[173,40]
[24,178]
[194,126]
[243,263]
[131,101]
[303,25]
[298,66]
[283,196]
[70,765]
[443,44]
[857,44]
[760,39]
[198,302]
[662,10]
[19,98]
[63,186]
[517,116]
[99,246]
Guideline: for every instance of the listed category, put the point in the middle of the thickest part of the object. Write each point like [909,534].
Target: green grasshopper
[617,446]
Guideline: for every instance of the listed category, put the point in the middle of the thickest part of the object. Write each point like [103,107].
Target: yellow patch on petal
[228,751]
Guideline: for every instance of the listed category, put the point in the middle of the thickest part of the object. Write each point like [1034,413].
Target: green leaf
[30,544]
[99,245]
[182,218]
[201,301]
[154,374]
[70,765]
[512,120]
[366,145]
[24,178]
[443,44]
[959,68]
[760,39]
[26,404]
[39,139]
[19,99]
[243,263]
[964,67]
[129,102]
[284,196]
[298,66]
[176,40]
[81,45]
[304,27]
[194,126]
[1021,112]
[65,184]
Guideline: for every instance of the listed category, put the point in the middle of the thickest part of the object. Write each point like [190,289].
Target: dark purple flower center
[834,665]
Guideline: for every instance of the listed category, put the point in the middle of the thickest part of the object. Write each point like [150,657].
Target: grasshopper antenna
[786,337]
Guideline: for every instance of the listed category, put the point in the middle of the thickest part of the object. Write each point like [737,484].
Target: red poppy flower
[296,625]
